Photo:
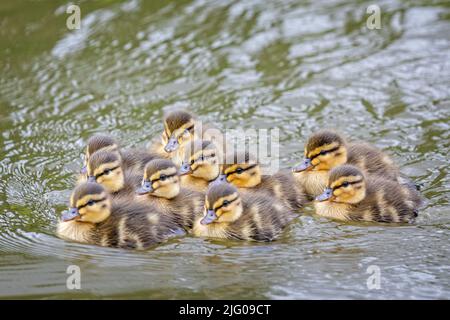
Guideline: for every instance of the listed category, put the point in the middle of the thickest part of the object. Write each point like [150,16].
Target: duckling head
[346,184]
[160,179]
[98,142]
[178,129]
[324,150]
[222,204]
[89,203]
[244,172]
[203,161]
[105,168]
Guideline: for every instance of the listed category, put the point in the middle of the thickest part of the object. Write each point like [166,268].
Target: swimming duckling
[326,149]
[132,159]
[352,196]
[106,168]
[94,218]
[161,184]
[245,173]
[231,215]
[202,166]
[179,129]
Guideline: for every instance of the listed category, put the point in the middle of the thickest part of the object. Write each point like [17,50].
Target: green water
[293,65]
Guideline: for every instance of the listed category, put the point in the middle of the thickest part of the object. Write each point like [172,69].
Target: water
[294,65]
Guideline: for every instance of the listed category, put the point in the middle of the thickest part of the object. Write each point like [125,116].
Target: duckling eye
[225,203]
[239,170]
[192,161]
[162,177]
[186,132]
[345,184]
[90,203]
[107,171]
[323,152]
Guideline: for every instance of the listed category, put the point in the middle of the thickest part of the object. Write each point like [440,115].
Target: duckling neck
[76,231]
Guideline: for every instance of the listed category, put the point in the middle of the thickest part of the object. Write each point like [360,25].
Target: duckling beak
[70,214]
[145,188]
[305,165]
[220,179]
[172,145]
[91,179]
[326,195]
[83,170]
[185,169]
[209,217]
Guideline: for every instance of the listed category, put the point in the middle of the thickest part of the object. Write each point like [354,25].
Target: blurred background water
[294,65]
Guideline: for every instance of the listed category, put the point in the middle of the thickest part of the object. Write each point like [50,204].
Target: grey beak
[83,170]
[91,179]
[209,217]
[185,169]
[70,214]
[146,187]
[172,145]
[327,194]
[305,165]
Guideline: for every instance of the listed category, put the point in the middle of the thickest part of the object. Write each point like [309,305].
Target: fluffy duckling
[202,166]
[326,149]
[107,169]
[230,215]
[352,196]
[94,218]
[132,159]
[161,184]
[179,129]
[245,173]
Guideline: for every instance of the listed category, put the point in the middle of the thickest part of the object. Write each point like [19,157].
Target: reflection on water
[294,65]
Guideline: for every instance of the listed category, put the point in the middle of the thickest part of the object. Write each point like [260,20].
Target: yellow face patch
[103,167]
[84,200]
[320,149]
[350,179]
[157,175]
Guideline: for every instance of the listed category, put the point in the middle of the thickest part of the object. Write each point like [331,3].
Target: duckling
[202,166]
[94,218]
[231,215]
[107,169]
[132,159]
[326,149]
[245,173]
[161,184]
[352,196]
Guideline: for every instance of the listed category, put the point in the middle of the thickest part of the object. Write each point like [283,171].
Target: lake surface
[294,65]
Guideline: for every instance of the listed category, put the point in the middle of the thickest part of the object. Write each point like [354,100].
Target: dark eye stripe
[95,201]
[204,158]
[353,182]
[232,172]
[229,201]
[101,174]
[167,176]
[324,152]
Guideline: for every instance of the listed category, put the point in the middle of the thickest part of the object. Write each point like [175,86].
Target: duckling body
[282,186]
[249,217]
[111,223]
[326,150]
[352,196]
[161,188]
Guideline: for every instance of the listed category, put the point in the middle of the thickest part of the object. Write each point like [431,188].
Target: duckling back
[133,226]
[387,201]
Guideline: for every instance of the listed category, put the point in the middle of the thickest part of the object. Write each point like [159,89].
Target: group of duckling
[138,198]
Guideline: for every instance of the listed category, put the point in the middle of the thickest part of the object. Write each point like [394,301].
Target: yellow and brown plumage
[231,215]
[161,188]
[95,218]
[352,196]
[245,173]
[133,160]
[107,169]
[326,150]
[201,167]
